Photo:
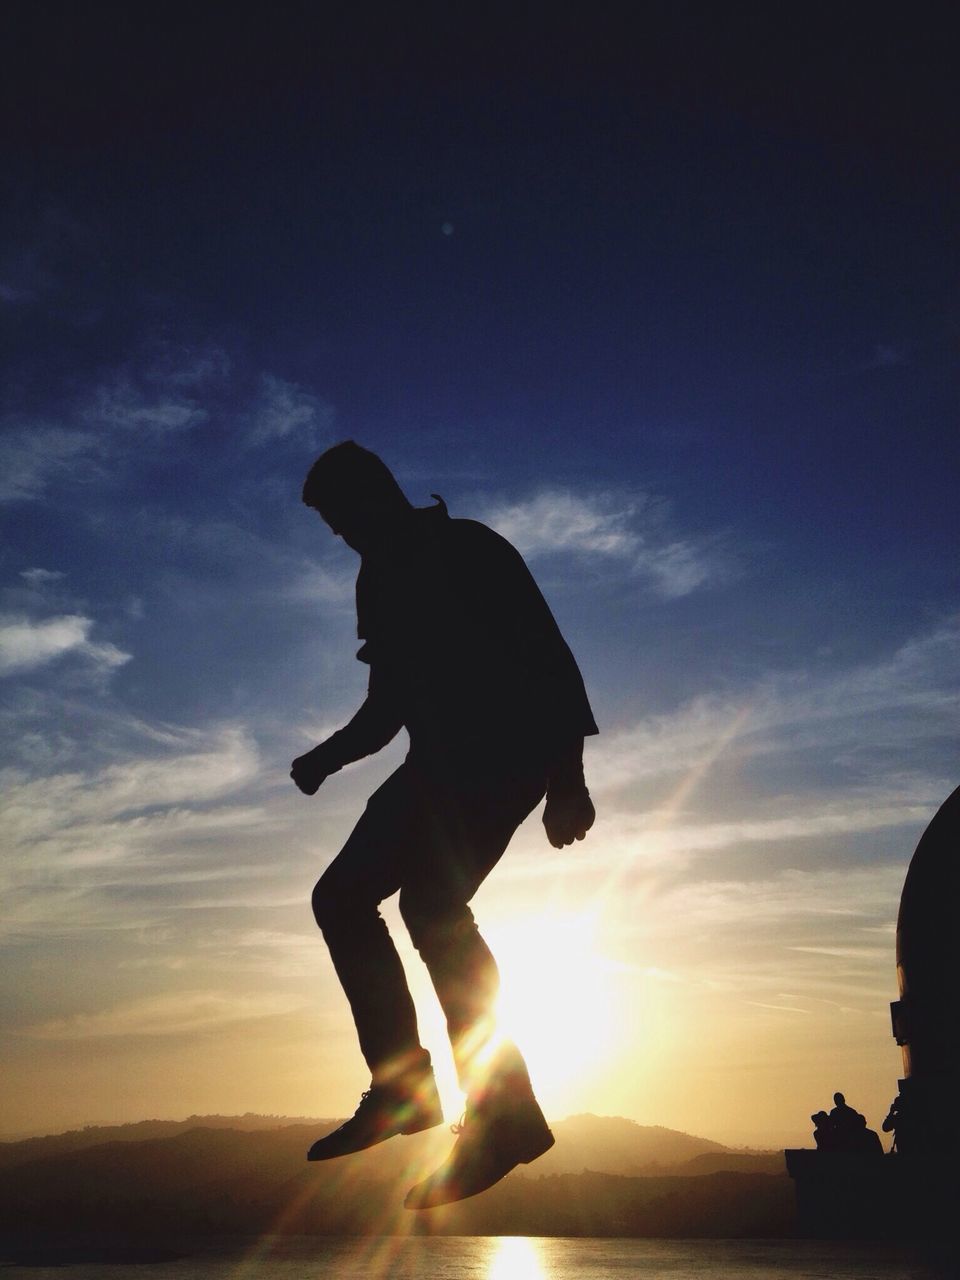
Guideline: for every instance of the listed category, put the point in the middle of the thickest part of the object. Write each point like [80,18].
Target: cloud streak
[34,457]
[165,398]
[26,645]
[910,697]
[285,411]
[150,830]
[203,768]
[121,406]
[175,1014]
[635,531]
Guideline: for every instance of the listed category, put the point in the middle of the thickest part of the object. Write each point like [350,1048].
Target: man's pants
[434,840]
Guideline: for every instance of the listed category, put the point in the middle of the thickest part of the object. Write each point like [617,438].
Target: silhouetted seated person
[918,1128]
[844,1124]
[822,1131]
[844,1130]
[865,1141]
[465,655]
[901,1121]
[891,1120]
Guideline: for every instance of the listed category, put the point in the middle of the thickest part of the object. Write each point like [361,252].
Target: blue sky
[678,316]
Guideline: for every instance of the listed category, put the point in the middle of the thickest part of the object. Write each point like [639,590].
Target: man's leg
[504,1126]
[466,823]
[464,975]
[403,1097]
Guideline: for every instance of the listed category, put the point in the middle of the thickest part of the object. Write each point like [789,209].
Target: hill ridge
[191,1183]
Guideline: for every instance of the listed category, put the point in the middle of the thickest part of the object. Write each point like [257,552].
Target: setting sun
[556,998]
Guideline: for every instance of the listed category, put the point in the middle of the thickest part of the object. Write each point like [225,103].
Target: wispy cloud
[41,577]
[910,697]
[122,406]
[659,840]
[280,954]
[286,411]
[11,294]
[320,584]
[37,455]
[718,803]
[197,769]
[635,530]
[792,898]
[31,457]
[180,365]
[802,937]
[175,1014]
[147,832]
[26,645]
[559,521]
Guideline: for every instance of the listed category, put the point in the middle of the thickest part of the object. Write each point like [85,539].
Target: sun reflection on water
[515,1258]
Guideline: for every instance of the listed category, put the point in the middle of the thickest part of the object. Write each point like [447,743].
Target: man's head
[839,1099]
[355,493]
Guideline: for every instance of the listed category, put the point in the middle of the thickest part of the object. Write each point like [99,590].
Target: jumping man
[465,655]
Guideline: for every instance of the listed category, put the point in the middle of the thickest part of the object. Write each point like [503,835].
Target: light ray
[386,1232]
[660,818]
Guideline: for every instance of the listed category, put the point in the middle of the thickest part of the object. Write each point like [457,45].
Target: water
[524,1258]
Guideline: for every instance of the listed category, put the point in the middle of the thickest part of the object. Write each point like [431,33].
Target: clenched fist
[569,814]
[309,770]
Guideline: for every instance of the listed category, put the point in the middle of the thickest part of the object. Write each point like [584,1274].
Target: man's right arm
[569,813]
[374,725]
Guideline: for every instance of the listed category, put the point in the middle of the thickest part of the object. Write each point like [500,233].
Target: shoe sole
[541,1148]
[419,1126]
[452,1194]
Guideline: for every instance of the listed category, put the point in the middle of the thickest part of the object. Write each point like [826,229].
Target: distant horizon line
[288,1121]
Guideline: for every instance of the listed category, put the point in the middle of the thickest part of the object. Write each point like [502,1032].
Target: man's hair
[349,471]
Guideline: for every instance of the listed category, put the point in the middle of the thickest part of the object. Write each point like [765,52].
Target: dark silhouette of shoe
[407,1106]
[502,1127]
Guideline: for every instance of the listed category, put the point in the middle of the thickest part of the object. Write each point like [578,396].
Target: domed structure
[926,1018]
[913,1191]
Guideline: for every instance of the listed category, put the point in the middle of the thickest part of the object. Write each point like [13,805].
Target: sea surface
[523,1258]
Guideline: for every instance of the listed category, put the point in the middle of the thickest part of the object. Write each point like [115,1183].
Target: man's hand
[308,771]
[568,815]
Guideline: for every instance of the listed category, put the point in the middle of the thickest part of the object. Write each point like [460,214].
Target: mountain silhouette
[223,1178]
[21,1150]
[612,1144]
[607,1144]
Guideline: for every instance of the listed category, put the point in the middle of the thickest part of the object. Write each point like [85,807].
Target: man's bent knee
[323,903]
[336,906]
[436,926]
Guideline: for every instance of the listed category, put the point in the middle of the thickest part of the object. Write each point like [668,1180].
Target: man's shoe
[502,1129]
[385,1110]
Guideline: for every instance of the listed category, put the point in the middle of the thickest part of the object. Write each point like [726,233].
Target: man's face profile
[359,523]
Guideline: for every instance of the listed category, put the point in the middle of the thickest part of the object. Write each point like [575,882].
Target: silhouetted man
[843,1118]
[466,656]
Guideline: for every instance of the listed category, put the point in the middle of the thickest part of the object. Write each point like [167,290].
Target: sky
[671,304]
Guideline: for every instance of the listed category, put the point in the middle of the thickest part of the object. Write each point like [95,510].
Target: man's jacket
[463,649]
